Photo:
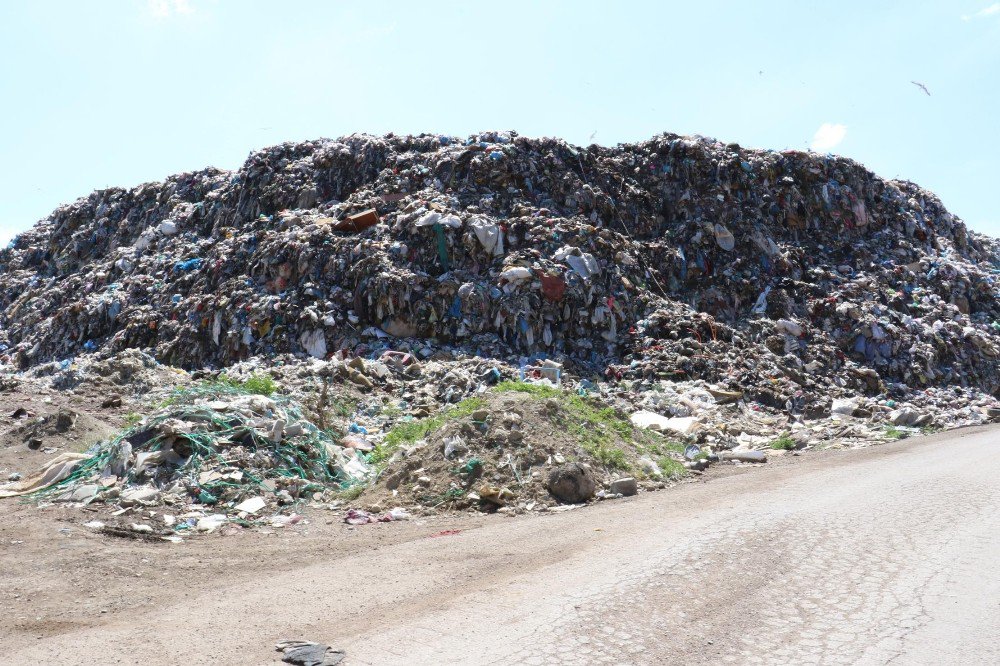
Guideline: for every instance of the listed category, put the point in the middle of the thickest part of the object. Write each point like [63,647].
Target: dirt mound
[497,450]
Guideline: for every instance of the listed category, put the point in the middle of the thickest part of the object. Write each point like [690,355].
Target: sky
[121,92]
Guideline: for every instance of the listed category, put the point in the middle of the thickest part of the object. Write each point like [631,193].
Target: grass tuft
[892,432]
[784,443]
[411,431]
[672,469]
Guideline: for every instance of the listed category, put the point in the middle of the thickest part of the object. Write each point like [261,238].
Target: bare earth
[886,555]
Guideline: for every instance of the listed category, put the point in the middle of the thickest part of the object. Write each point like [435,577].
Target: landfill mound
[674,257]
[734,300]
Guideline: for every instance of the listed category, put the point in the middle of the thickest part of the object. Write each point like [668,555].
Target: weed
[611,457]
[539,390]
[784,443]
[258,384]
[671,468]
[411,431]
[132,419]
[892,432]
[350,493]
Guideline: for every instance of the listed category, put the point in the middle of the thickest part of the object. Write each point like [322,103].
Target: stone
[626,486]
[908,417]
[34,443]
[65,420]
[572,483]
[112,401]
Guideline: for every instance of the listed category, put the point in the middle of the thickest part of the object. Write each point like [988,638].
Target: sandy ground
[875,556]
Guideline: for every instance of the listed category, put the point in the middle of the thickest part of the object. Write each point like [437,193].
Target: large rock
[572,483]
[626,486]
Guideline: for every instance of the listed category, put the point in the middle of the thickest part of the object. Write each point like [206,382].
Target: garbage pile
[425,269]
[212,451]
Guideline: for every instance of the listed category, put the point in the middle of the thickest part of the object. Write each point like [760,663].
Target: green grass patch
[611,457]
[784,443]
[597,428]
[539,390]
[411,431]
[672,469]
[351,493]
[258,384]
[892,432]
[132,419]
[343,407]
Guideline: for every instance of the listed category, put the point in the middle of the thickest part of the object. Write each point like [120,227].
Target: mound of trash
[212,451]
[749,293]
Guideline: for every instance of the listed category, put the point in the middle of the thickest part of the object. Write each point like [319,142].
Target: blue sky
[97,94]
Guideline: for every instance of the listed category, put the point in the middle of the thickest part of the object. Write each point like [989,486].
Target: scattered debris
[308,653]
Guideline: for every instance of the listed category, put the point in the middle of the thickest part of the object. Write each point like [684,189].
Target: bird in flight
[922,87]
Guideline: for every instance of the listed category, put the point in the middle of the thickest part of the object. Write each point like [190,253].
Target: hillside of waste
[722,294]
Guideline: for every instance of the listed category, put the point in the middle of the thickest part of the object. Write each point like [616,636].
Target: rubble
[707,294]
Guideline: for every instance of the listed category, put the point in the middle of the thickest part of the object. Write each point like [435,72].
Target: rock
[112,401]
[13,476]
[480,415]
[626,486]
[34,443]
[572,483]
[908,417]
[65,420]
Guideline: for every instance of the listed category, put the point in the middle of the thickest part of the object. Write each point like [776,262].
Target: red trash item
[358,221]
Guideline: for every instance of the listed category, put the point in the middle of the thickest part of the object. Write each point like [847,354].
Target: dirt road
[886,555]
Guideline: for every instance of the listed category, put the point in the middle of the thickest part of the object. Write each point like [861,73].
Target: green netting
[304,456]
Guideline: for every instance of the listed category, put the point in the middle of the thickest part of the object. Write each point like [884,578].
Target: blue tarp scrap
[189,264]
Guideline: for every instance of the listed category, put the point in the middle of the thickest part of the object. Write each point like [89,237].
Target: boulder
[572,483]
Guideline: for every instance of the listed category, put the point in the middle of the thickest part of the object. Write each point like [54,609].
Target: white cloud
[161,9]
[828,136]
[992,10]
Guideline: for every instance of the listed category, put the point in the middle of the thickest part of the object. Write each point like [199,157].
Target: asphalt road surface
[883,556]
